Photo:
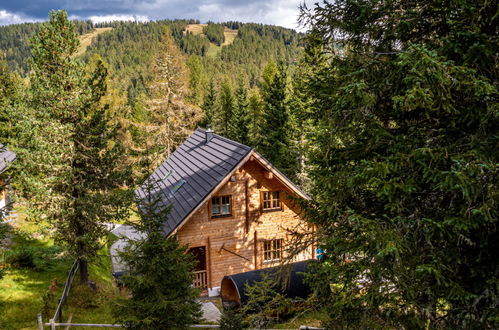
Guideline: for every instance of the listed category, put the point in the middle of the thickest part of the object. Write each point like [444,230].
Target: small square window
[271,200]
[221,206]
[272,250]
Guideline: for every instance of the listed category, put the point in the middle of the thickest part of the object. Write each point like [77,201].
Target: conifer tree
[70,153]
[226,116]
[170,117]
[210,105]
[404,165]
[159,273]
[255,113]
[241,114]
[275,130]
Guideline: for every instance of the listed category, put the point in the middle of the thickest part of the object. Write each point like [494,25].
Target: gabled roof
[6,157]
[198,168]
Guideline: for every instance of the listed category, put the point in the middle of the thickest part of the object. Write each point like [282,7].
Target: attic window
[221,206]
[177,186]
[271,201]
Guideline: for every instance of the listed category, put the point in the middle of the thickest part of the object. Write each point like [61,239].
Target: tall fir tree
[275,130]
[255,113]
[241,114]
[160,273]
[69,156]
[210,105]
[405,162]
[226,115]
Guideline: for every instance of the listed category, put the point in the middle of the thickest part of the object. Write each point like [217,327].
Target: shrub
[22,257]
[231,319]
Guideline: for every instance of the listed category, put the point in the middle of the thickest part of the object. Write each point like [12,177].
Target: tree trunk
[83,265]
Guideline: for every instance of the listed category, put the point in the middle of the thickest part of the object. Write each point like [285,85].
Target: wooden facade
[250,233]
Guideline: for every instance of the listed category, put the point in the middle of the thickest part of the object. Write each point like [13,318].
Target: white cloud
[7,18]
[118,17]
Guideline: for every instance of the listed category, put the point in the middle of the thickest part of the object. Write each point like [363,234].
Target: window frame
[273,250]
[271,200]
[216,216]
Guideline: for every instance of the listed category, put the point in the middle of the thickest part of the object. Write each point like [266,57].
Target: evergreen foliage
[215,33]
[241,114]
[159,276]
[275,129]
[225,121]
[404,163]
[265,305]
[210,105]
[231,319]
[67,147]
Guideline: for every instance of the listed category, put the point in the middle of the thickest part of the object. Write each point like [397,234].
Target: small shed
[233,287]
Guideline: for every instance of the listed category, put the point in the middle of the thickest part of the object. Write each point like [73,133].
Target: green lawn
[21,290]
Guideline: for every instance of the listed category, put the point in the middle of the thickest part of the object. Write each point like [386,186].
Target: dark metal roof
[6,157]
[191,173]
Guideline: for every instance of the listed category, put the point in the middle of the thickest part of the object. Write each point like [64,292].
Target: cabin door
[201,276]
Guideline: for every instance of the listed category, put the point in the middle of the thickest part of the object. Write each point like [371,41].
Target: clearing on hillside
[86,39]
[230,34]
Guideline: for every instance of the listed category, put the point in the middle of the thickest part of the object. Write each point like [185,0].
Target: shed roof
[195,170]
[6,157]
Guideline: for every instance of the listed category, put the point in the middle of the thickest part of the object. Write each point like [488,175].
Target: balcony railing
[201,279]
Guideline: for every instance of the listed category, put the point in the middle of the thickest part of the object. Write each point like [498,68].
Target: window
[271,200]
[221,206]
[272,250]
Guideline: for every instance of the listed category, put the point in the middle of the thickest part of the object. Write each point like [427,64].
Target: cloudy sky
[277,12]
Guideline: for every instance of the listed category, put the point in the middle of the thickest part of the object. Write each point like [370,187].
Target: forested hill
[129,47]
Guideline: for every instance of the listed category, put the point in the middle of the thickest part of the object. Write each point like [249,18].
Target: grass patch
[86,39]
[22,290]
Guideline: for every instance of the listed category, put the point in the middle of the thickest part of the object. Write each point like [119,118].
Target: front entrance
[201,275]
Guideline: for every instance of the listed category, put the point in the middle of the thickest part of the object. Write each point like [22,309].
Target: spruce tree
[241,114]
[275,130]
[69,152]
[404,165]
[210,105]
[226,116]
[159,273]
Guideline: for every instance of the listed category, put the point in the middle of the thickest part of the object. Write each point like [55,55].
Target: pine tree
[241,114]
[210,105]
[226,116]
[69,152]
[255,113]
[159,276]
[404,165]
[275,131]
[197,79]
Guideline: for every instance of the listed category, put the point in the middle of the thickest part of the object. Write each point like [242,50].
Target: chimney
[209,135]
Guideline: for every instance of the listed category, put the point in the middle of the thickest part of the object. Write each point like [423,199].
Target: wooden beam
[208,254]
[246,201]
[255,248]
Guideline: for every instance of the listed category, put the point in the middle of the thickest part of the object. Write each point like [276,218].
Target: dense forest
[386,114]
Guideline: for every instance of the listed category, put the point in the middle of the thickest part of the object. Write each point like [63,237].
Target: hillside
[87,38]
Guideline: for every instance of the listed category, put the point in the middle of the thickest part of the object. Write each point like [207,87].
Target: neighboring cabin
[6,158]
[229,204]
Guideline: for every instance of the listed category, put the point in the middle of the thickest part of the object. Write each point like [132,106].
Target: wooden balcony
[201,279]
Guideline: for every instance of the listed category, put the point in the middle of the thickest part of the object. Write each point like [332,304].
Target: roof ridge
[202,130]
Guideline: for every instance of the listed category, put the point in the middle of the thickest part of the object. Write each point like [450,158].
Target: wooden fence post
[40,321]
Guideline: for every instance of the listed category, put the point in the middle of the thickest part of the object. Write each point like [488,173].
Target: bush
[265,304]
[23,257]
[231,320]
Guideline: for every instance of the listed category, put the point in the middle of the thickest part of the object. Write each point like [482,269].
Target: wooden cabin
[6,158]
[229,204]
